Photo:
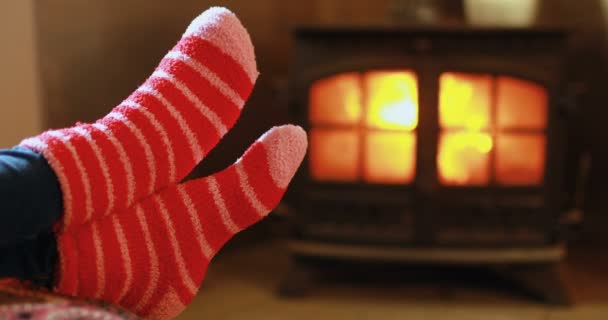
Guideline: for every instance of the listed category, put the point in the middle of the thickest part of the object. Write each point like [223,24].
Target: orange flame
[387,103]
[364,128]
[464,105]
[392,100]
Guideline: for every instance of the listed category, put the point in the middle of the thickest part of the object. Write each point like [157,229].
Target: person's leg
[130,233]
[30,204]
[30,197]
[33,260]
[156,136]
[151,258]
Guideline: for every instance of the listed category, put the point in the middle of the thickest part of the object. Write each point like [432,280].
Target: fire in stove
[442,146]
[364,129]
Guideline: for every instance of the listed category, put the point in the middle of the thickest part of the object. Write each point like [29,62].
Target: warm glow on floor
[463,158]
[392,100]
[390,157]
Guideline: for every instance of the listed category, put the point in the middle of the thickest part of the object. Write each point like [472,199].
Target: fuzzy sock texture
[158,134]
[152,257]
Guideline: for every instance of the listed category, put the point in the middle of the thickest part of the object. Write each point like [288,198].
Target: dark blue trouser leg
[30,204]
[33,259]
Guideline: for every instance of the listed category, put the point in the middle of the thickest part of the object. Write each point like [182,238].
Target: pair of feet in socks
[131,233]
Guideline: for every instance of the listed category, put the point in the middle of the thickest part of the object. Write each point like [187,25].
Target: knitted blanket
[20,300]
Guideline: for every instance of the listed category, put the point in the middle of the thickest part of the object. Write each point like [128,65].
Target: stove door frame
[534,56]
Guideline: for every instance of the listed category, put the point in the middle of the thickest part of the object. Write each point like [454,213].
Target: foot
[151,258]
[158,134]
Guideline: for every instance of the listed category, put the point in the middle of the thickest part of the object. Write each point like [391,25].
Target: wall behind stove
[20,103]
[94,53]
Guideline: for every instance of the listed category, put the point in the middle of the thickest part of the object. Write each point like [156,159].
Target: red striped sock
[159,133]
[152,257]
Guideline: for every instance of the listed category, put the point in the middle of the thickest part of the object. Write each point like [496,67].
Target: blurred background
[70,60]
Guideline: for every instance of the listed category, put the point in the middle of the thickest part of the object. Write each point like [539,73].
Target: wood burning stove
[431,145]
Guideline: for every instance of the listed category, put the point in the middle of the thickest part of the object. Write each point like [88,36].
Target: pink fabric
[58,311]
[152,258]
[156,136]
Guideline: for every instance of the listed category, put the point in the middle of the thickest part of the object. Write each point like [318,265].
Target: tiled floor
[242,285]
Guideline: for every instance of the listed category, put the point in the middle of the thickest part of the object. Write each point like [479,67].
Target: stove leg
[542,281]
[297,282]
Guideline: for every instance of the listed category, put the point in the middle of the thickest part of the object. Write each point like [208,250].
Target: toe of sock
[285,148]
[221,27]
